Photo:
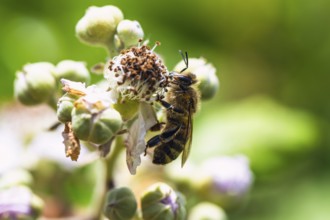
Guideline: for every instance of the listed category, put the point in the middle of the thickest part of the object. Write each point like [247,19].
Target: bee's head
[184,79]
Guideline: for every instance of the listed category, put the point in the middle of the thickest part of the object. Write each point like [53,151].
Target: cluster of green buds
[105,27]
[159,201]
[87,115]
[38,83]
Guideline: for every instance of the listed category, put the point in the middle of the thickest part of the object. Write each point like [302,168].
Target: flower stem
[97,201]
[111,160]
[105,182]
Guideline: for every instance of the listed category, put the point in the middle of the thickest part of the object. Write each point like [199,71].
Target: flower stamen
[137,74]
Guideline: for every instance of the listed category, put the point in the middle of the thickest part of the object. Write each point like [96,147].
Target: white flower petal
[135,141]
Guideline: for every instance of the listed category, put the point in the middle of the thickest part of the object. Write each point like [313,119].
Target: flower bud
[64,107]
[207,211]
[206,75]
[98,127]
[35,83]
[120,204]
[18,202]
[98,25]
[129,32]
[161,202]
[72,70]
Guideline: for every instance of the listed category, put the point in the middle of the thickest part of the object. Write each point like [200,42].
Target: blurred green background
[272,59]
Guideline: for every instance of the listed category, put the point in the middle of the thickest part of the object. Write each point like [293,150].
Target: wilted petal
[135,142]
[93,98]
[71,142]
[74,88]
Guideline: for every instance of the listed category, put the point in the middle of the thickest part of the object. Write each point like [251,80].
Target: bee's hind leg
[168,106]
[164,137]
[153,142]
[157,127]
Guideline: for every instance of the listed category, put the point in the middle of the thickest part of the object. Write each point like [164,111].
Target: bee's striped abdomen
[167,152]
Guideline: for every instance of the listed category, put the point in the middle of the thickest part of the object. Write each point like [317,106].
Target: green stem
[111,160]
[104,179]
[100,190]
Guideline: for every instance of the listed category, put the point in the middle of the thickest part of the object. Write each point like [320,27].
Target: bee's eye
[184,80]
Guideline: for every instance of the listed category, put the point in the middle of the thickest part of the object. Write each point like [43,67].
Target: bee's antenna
[185,60]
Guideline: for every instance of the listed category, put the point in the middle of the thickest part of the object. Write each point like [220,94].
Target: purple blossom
[230,175]
[15,201]
[170,200]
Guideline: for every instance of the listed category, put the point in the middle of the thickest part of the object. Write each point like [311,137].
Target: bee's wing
[188,138]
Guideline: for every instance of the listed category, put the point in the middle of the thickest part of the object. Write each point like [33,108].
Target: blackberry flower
[228,179]
[234,176]
[18,201]
[137,73]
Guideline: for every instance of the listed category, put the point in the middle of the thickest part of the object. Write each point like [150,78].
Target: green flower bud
[64,107]
[129,32]
[98,127]
[161,202]
[120,204]
[72,70]
[98,25]
[207,211]
[35,83]
[206,75]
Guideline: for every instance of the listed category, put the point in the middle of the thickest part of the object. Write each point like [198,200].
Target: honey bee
[180,103]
